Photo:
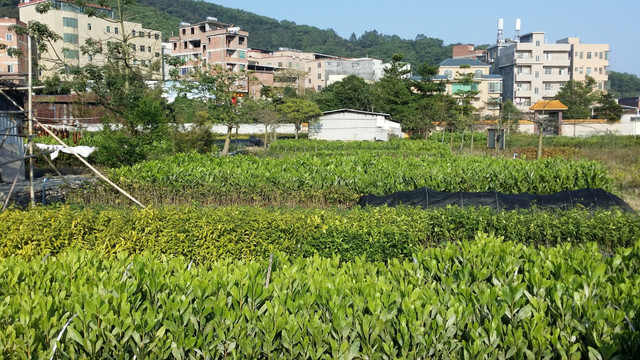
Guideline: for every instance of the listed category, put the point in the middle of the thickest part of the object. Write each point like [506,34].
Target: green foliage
[578,96]
[298,110]
[401,146]
[352,92]
[381,234]
[473,299]
[327,178]
[608,108]
[624,84]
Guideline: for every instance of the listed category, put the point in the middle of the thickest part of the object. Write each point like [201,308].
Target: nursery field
[265,256]
[328,178]
[472,299]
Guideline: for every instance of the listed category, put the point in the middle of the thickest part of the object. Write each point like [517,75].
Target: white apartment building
[589,59]
[531,68]
[75,27]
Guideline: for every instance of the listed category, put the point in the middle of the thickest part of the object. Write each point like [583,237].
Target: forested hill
[267,33]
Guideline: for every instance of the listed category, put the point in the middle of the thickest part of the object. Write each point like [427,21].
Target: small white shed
[348,124]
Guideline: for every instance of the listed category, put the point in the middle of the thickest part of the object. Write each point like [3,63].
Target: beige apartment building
[488,86]
[531,68]
[13,68]
[211,42]
[69,21]
[589,59]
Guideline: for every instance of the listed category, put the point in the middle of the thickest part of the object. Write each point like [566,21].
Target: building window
[175,46]
[477,74]
[581,53]
[457,87]
[184,71]
[89,26]
[70,22]
[241,40]
[537,42]
[193,31]
[319,76]
[547,71]
[495,87]
[184,44]
[588,71]
[135,61]
[116,30]
[536,91]
[448,74]
[319,87]
[241,67]
[581,69]
[537,57]
[588,54]
[90,57]
[537,74]
[70,54]
[10,68]
[563,71]
[242,54]
[9,37]
[70,38]
[108,29]
[547,56]
[319,65]
[157,54]
[600,55]
[133,32]
[156,36]
[355,66]
[142,48]
[279,63]
[547,87]
[148,48]
[141,33]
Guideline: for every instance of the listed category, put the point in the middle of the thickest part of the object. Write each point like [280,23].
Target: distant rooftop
[461,62]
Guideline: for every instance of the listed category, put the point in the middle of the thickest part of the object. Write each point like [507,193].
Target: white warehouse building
[354,125]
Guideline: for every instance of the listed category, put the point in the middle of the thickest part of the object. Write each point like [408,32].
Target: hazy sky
[466,21]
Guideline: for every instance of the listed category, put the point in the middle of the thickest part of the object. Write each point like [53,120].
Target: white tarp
[83,151]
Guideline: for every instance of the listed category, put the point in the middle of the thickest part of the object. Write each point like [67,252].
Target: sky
[611,22]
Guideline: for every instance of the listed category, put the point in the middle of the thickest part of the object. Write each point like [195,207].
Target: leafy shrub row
[380,234]
[476,299]
[341,179]
[421,146]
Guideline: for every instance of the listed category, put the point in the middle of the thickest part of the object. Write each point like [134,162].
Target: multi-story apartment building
[531,68]
[13,68]
[488,86]
[75,27]
[589,59]
[211,42]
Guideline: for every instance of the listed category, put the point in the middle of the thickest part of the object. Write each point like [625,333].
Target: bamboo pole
[30,115]
[15,180]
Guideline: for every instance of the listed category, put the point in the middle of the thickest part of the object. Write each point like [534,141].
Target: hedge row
[204,234]
[307,179]
[417,146]
[479,299]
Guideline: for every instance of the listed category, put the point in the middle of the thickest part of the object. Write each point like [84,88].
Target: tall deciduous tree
[579,97]
[299,110]
[217,88]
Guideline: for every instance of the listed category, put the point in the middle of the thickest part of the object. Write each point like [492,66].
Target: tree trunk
[297,126]
[266,134]
[227,141]
[472,137]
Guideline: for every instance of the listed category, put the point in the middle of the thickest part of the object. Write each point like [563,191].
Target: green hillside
[268,33]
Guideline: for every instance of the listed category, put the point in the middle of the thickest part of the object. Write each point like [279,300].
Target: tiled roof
[549,105]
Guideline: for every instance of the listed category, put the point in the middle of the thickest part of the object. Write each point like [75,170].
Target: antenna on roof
[516,38]
[500,32]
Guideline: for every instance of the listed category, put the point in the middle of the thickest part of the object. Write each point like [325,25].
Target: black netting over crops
[427,198]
